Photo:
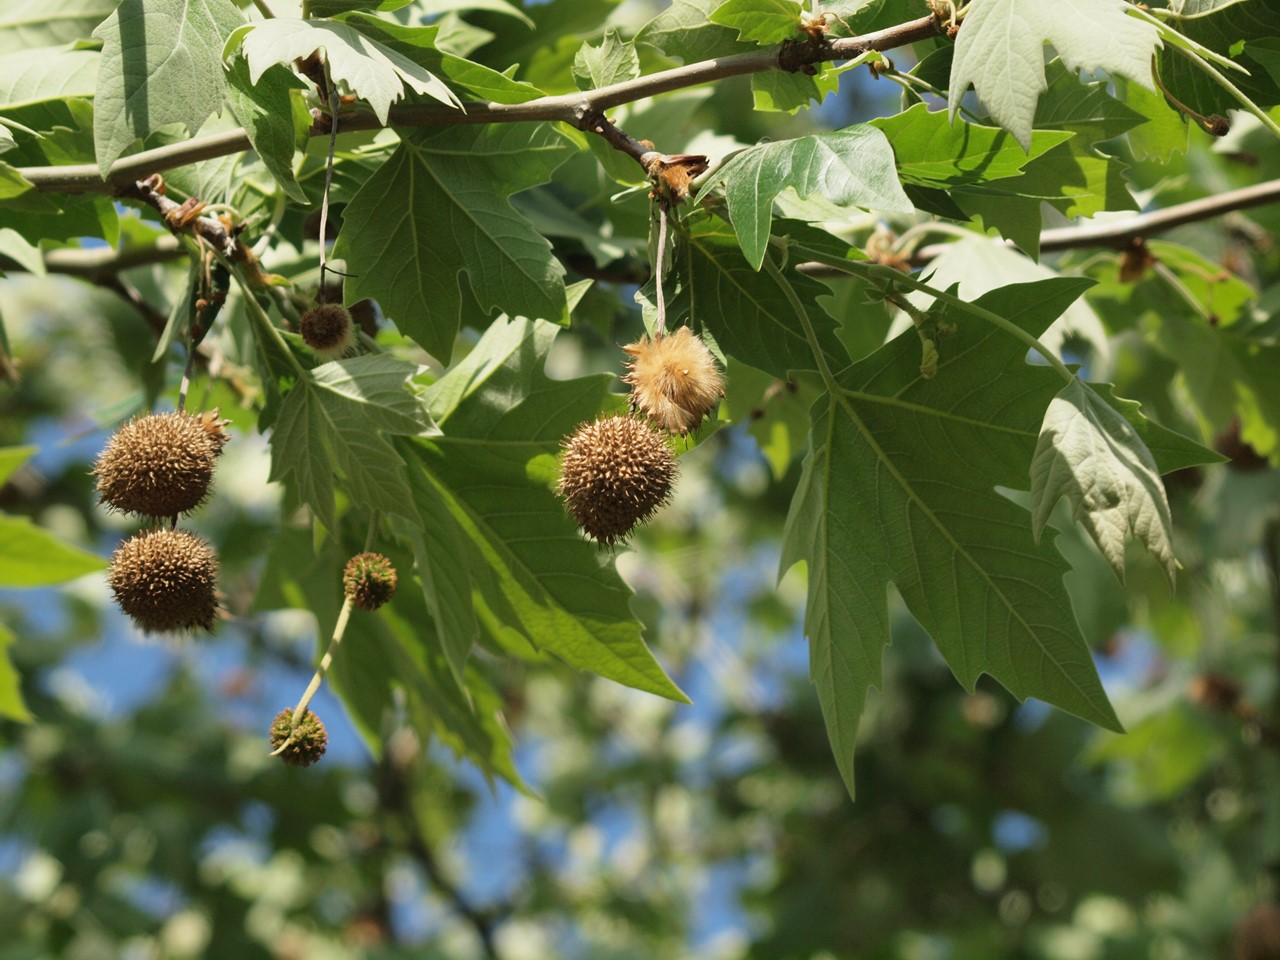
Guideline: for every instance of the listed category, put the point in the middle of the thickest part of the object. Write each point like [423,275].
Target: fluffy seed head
[369,580]
[674,380]
[615,473]
[327,329]
[308,742]
[160,465]
[166,580]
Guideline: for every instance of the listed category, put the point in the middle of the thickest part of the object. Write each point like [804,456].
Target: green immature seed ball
[308,741]
[369,580]
[166,580]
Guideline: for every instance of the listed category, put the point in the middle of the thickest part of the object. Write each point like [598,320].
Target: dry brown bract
[160,465]
[616,472]
[166,580]
[674,380]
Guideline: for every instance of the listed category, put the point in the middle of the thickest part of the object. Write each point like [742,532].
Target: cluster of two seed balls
[161,466]
[368,581]
[616,472]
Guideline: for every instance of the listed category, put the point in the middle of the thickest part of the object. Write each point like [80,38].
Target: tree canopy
[757,479]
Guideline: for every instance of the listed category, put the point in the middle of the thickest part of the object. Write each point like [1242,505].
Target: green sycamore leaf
[760,21]
[684,31]
[609,61]
[334,422]
[12,706]
[1225,32]
[1227,374]
[497,550]
[790,92]
[1090,454]
[850,167]
[747,311]
[369,69]
[999,51]
[419,45]
[11,458]
[900,486]
[436,216]
[30,24]
[1073,178]
[275,119]
[30,76]
[160,65]
[32,557]
[1083,108]
[932,151]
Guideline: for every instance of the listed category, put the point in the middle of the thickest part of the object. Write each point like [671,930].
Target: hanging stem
[659,261]
[328,181]
[339,631]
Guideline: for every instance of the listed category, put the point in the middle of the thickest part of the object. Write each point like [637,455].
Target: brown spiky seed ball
[327,329]
[166,580]
[615,473]
[160,465]
[309,740]
[369,580]
[674,380]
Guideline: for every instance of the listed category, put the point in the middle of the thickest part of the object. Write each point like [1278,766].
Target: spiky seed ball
[160,465]
[309,740]
[166,580]
[674,380]
[327,329]
[615,473]
[369,580]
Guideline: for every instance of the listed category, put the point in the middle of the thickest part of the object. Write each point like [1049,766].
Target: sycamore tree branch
[579,109]
[1118,233]
[94,263]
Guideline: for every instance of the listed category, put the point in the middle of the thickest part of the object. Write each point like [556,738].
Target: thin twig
[572,108]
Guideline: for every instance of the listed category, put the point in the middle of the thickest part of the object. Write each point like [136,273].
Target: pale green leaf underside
[370,70]
[30,76]
[436,216]
[498,545]
[1090,454]
[332,423]
[30,24]
[30,556]
[850,167]
[999,50]
[160,65]
[900,487]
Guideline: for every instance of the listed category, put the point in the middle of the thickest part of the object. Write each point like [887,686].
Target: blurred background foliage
[140,817]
